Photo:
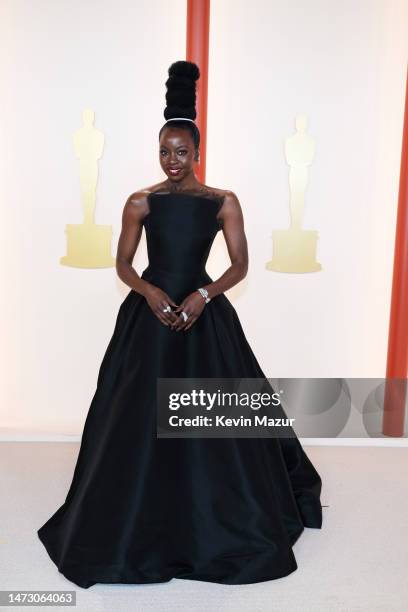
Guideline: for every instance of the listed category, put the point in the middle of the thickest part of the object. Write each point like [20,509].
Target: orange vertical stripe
[198,33]
[397,357]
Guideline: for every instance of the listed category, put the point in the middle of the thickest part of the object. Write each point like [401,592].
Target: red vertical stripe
[397,357]
[198,31]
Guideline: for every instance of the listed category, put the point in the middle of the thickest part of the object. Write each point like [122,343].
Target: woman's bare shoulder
[137,204]
[140,196]
[230,204]
[223,193]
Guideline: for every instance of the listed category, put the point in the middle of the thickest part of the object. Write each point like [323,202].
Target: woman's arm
[234,233]
[135,209]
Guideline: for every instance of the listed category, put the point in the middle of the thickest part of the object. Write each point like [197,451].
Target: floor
[357,562]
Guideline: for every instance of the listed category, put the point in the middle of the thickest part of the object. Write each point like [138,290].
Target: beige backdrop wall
[341,65]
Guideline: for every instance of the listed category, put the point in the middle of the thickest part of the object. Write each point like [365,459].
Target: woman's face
[176,151]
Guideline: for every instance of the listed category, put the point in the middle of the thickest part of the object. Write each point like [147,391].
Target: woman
[146,509]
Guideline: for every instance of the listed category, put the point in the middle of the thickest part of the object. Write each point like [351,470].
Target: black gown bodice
[180,230]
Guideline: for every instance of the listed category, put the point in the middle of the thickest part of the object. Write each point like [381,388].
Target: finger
[177,312]
[181,325]
[175,321]
[169,314]
[170,317]
[193,320]
[169,302]
[173,316]
[178,323]
[162,305]
[161,316]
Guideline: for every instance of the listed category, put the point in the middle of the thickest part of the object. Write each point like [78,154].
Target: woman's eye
[182,152]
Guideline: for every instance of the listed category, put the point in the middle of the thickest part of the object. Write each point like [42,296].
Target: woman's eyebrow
[179,147]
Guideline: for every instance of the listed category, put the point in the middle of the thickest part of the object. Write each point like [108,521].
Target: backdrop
[342,65]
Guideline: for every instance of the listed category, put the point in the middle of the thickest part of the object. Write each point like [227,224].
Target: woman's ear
[197,156]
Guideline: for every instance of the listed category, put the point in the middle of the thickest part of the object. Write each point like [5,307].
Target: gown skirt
[142,509]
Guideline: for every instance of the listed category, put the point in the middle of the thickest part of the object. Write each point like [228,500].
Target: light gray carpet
[357,562]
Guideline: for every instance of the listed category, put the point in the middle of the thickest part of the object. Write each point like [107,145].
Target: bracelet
[204,293]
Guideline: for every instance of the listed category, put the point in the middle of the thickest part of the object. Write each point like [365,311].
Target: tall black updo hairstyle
[181,98]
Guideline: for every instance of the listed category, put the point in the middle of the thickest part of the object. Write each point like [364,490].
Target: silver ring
[167,309]
[184,315]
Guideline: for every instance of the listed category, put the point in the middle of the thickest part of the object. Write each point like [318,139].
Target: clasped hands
[192,305]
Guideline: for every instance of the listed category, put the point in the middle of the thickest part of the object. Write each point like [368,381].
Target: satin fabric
[142,509]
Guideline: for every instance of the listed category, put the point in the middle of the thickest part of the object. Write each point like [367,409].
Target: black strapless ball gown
[142,509]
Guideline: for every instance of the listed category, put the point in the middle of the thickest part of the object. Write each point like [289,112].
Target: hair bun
[181,90]
[190,70]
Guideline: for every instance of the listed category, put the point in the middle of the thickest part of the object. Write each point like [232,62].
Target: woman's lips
[174,171]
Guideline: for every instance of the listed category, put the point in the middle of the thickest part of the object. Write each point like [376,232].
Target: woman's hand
[193,305]
[158,300]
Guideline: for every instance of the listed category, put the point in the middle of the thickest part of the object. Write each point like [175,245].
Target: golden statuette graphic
[88,244]
[294,249]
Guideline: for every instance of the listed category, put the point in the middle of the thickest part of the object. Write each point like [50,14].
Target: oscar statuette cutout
[294,249]
[88,244]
